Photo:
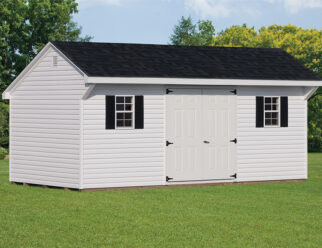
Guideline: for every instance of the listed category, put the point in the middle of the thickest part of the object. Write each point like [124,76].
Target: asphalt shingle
[166,61]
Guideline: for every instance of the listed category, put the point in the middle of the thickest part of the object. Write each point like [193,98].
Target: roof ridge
[162,45]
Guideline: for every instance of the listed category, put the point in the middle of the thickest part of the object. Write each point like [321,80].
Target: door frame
[168,89]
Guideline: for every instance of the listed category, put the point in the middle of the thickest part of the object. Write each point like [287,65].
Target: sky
[152,21]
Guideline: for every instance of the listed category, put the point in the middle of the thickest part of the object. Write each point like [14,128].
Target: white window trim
[278,111]
[123,111]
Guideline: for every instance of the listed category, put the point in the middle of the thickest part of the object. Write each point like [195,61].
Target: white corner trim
[310,92]
[88,91]
[198,81]
[10,89]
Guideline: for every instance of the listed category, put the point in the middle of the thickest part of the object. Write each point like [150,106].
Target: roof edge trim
[199,81]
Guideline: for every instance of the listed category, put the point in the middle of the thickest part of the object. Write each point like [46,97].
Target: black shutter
[110,112]
[139,112]
[284,111]
[259,111]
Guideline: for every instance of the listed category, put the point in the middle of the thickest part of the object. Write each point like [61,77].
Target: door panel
[219,128]
[201,124]
[184,118]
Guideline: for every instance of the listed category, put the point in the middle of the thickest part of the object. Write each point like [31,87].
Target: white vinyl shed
[100,115]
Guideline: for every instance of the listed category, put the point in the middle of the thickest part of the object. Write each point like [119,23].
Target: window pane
[120,123]
[128,99]
[119,99]
[274,122]
[268,122]
[120,116]
[268,115]
[128,116]
[128,107]
[268,107]
[274,107]
[274,115]
[268,100]
[275,99]
[128,123]
[119,107]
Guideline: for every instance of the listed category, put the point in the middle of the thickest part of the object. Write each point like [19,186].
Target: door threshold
[203,180]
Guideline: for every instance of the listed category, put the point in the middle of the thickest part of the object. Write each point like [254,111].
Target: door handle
[206,142]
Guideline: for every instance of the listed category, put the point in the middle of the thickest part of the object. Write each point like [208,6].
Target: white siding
[118,158]
[45,124]
[271,153]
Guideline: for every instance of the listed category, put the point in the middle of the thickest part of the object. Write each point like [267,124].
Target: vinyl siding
[45,124]
[119,158]
[271,153]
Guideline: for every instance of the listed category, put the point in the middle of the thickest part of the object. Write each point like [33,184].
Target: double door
[200,133]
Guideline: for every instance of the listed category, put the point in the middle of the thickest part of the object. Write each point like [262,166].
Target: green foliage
[26,26]
[315,122]
[4,120]
[3,153]
[189,34]
[262,215]
[4,142]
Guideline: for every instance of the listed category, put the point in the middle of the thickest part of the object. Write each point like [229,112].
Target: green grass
[267,215]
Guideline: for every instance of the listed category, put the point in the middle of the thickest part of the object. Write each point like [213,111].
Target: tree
[26,26]
[189,34]
[236,36]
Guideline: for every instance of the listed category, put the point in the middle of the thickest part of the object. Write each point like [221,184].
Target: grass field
[267,215]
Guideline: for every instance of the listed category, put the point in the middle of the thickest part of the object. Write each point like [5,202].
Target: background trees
[304,44]
[189,34]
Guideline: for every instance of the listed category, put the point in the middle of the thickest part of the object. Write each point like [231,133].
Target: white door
[219,126]
[201,124]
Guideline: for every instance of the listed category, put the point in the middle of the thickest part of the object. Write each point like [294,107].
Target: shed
[100,115]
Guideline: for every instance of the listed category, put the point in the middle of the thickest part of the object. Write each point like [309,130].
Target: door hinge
[168,178]
[169,91]
[235,175]
[168,143]
[234,91]
[234,140]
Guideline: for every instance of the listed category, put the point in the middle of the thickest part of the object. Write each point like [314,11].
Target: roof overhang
[198,81]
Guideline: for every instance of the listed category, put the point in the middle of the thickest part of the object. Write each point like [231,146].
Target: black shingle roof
[139,60]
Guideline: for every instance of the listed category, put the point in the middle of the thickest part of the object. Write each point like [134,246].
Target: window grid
[124,112]
[271,111]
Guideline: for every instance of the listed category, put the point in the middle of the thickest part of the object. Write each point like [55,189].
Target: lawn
[266,215]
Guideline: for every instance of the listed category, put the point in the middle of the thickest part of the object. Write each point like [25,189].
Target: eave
[199,81]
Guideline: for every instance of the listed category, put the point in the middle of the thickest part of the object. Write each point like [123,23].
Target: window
[124,111]
[271,111]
